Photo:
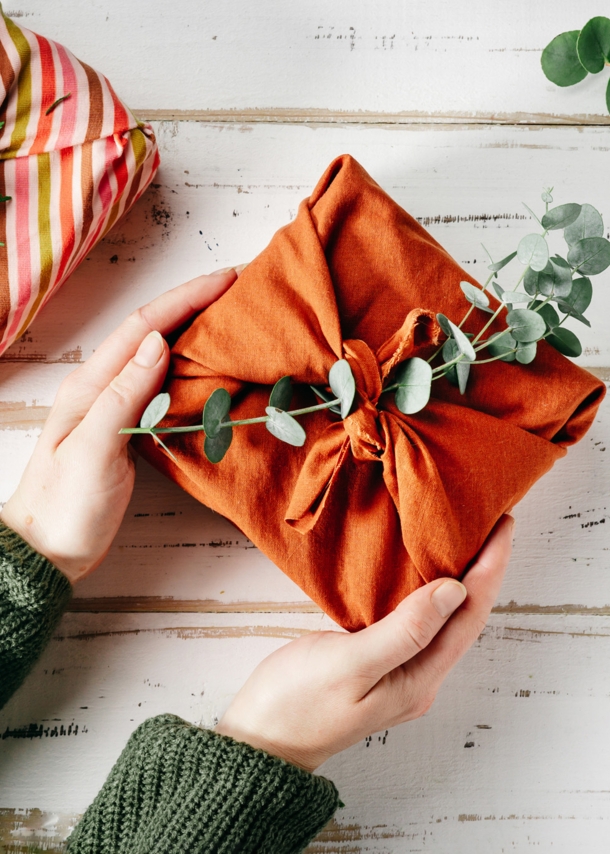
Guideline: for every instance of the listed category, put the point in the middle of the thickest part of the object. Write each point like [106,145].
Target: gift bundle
[351,324]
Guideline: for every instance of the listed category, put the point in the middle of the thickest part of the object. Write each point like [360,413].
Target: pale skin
[314,696]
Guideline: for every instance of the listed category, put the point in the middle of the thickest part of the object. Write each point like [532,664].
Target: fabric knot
[362,425]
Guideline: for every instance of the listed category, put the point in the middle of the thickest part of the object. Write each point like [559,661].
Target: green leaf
[464,345]
[526,325]
[450,350]
[526,353]
[443,322]
[546,196]
[593,44]
[215,447]
[499,289]
[533,251]
[326,397]
[284,427]
[560,62]
[155,411]
[561,216]
[514,297]
[547,312]
[216,408]
[588,224]
[463,372]
[414,378]
[530,281]
[579,297]
[590,256]
[475,295]
[566,342]
[281,394]
[342,382]
[555,279]
[498,265]
[502,348]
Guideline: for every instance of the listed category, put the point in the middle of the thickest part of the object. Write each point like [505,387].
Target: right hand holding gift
[324,692]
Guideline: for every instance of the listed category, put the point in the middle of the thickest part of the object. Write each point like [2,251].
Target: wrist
[18,519]
[289,753]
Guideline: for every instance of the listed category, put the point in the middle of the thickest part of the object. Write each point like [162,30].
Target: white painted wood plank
[514,753]
[223,191]
[425,56]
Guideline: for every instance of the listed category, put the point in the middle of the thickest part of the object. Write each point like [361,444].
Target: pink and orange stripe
[71,170]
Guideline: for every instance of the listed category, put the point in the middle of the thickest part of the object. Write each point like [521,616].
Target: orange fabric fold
[378,504]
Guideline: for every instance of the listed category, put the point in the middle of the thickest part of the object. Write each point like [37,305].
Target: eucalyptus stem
[261,420]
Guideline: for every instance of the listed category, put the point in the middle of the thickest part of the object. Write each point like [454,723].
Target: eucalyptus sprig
[552,285]
[281,422]
[570,56]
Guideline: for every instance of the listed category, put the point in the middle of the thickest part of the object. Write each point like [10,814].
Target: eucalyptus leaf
[502,347]
[444,322]
[590,256]
[588,224]
[326,397]
[215,447]
[475,295]
[533,251]
[579,298]
[216,409]
[464,345]
[530,281]
[546,196]
[281,394]
[526,353]
[414,378]
[526,325]
[555,279]
[463,372]
[560,62]
[547,312]
[156,410]
[498,265]
[499,289]
[284,427]
[342,382]
[560,216]
[593,44]
[450,350]
[566,342]
[510,297]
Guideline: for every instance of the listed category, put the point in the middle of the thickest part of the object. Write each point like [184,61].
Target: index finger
[163,314]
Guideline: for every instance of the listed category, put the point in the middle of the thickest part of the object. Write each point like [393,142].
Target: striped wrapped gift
[73,159]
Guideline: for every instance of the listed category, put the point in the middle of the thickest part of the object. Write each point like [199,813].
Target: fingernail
[448,597]
[220,272]
[149,351]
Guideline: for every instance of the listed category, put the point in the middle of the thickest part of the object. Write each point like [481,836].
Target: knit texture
[179,788]
[33,596]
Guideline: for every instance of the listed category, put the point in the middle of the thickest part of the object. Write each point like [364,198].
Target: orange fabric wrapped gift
[378,504]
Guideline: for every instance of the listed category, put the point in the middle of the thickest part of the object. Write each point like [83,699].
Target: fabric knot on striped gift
[73,160]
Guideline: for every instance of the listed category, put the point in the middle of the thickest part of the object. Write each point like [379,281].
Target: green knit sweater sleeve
[177,788]
[33,596]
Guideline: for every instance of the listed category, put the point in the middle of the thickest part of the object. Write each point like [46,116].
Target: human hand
[76,487]
[325,691]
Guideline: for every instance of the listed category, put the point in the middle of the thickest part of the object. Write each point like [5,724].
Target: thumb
[123,401]
[407,630]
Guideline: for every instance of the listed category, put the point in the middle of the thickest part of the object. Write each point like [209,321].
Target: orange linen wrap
[374,506]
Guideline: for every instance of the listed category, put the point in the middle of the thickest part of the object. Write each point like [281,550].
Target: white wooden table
[446,106]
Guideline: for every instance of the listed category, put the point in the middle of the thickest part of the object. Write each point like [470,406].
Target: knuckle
[124,387]
[418,631]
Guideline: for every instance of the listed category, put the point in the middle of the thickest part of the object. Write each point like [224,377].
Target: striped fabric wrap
[73,160]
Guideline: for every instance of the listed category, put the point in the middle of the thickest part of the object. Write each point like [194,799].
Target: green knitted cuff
[178,788]
[33,596]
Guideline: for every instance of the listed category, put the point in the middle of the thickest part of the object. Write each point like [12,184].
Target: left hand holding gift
[76,487]
[328,690]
